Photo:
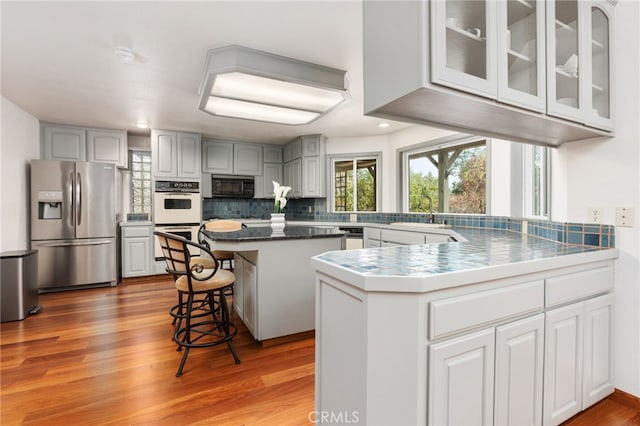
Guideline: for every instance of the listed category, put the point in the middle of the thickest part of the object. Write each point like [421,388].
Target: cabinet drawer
[402,237]
[135,231]
[579,285]
[371,233]
[454,314]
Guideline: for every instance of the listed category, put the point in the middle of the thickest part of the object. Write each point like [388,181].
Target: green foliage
[421,185]
[469,192]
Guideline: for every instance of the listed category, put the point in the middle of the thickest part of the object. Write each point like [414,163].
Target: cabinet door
[311,145]
[461,380]
[247,159]
[63,143]
[136,256]
[238,286]
[189,155]
[292,176]
[272,154]
[164,153]
[286,153]
[296,148]
[217,157]
[312,177]
[598,350]
[107,146]
[250,297]
[565,59]
[598,90]
[518,380]
[465,46]
[521,54]
[563,363]
[272,172]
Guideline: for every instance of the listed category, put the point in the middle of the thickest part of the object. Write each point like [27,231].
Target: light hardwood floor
[105,357]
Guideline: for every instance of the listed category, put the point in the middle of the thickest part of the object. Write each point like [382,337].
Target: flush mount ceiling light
[245,83]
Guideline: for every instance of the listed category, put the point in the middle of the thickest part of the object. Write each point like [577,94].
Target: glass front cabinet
[579,61]
[552,57]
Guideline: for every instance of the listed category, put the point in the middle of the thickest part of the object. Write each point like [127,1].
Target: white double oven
[177,209]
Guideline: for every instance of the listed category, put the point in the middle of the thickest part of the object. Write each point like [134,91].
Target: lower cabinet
[578,357]
[245,292]
[137,251]
[493,376]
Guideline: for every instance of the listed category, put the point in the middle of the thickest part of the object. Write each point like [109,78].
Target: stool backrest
[177,256]
[219,225]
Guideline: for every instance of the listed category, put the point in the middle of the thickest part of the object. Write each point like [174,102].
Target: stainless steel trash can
[18,284]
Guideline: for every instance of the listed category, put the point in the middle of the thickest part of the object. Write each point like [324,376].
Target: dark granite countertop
[265,233]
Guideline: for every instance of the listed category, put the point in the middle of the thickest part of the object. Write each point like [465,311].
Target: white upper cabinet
[521,54]
[531,71]
[107,146]
[465,45]
[175,154]
[247,159]
[272,154]
[580,62]
[304,167]
[599,99]
[217,157]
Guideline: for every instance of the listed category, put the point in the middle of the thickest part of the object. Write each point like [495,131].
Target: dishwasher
[353,236]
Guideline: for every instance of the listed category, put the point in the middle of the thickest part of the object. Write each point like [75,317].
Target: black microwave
[232,186]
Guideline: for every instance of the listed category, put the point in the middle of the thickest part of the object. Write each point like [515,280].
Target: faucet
[431,217]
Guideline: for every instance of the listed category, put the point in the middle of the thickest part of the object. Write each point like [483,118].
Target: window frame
[445,143]
[333,158]
[528,182]
[132,203]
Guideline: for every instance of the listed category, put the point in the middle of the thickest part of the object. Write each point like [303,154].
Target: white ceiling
[58,61]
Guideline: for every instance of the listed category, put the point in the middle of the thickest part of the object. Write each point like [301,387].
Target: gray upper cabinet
[217,157]
[107,146]
[175,155]
[69,143]
[231,158]
[272,153]
[63,143]
[305,173]
[247,159]
[523,70]
[189,155]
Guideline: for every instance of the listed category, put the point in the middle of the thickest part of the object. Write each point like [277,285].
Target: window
[140,181]
[453,179]
[355,183]
[536,181]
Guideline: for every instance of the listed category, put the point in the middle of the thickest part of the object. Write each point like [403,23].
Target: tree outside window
[454,178]
[355,185]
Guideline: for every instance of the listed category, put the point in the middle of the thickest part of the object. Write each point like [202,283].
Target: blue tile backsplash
[314,209]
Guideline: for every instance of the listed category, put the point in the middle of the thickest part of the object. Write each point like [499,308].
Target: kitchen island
[502,328]
[274,293]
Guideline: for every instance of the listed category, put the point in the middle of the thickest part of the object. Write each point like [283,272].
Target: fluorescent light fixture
[250,84]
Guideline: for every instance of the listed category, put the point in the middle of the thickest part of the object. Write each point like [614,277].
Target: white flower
[279,194]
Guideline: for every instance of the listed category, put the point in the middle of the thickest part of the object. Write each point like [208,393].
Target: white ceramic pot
[277,222]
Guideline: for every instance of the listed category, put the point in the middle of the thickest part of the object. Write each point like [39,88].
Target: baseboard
[626,399]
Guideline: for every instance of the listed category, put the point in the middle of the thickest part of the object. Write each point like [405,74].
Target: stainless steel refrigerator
[73,223]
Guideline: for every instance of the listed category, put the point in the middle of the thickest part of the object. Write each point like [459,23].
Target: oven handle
[179,194]
[178,228]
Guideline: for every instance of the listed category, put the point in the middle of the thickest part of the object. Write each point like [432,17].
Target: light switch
[624,216]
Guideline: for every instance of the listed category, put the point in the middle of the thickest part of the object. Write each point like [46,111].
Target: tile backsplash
[315,209]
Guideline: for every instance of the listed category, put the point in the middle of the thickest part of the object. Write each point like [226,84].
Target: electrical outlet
[594,215]
[624,216]
[353,217]
[525,227]
[310,209]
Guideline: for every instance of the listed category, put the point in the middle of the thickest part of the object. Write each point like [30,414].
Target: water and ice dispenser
[49,204]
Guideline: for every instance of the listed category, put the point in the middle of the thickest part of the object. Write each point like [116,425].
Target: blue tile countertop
[488,254]
[264,233]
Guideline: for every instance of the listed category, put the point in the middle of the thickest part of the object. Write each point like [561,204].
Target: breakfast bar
[274,292]
[503,328]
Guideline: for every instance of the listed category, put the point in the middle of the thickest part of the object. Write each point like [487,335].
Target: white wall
[20,142]
[606,174]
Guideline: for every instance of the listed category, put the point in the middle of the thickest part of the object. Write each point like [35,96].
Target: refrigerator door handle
[79,198]
[71,205]
[79,243]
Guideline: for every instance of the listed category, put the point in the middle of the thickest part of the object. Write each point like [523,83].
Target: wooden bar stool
[203,319]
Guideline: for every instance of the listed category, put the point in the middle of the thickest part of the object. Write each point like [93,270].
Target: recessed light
[125,54]
[142,124]
[383,125]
